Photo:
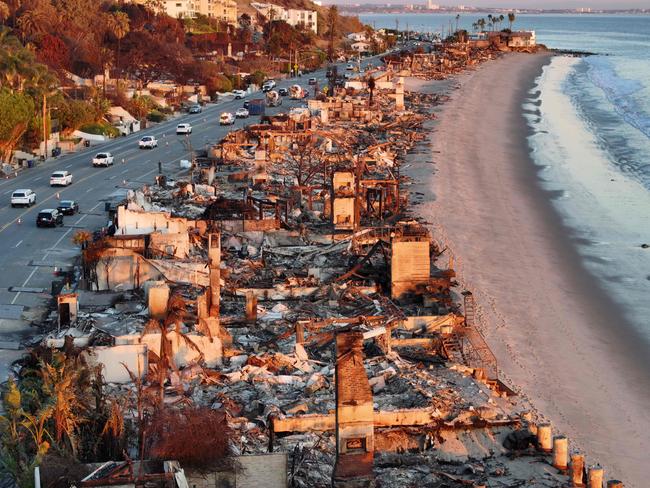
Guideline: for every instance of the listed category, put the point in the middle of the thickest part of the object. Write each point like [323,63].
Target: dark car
[247,104]
[68,207]
[283,92]
[49,217]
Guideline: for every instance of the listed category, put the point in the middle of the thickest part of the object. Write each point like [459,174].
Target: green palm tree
[511,18]
[31,23]
[120,27]
[501,19]
[457,19]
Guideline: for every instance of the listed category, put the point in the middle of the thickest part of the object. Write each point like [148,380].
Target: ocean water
[591,138]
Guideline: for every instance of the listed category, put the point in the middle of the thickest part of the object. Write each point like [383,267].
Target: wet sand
[558,337]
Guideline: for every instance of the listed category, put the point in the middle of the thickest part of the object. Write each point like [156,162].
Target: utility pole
[45,135]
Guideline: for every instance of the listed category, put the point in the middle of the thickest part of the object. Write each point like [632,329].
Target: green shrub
[100,128]
[155,116]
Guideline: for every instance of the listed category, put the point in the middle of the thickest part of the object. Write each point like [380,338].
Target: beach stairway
[453,348]
[470,309]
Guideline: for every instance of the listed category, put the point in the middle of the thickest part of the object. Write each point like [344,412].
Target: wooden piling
[560,452]
[577,469]
[595,477]
[544,438]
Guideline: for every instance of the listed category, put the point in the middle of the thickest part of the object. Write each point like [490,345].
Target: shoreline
[514,252]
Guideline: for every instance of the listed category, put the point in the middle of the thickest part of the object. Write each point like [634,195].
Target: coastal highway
[30,254]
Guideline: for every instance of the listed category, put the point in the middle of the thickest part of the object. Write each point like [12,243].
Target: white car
[61,178]
[226,118]
[183,129]
[103,159]
[148,142]
[239,94]
[24,197]
[268,85]
[242,113]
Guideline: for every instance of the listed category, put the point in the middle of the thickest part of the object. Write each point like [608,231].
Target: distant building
[223,10]
[522,39]
[293,17]
[361,47]
[357,36]
[179,9]
[432,6]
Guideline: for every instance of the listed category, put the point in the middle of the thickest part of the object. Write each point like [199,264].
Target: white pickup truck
[103,159]
[24,197]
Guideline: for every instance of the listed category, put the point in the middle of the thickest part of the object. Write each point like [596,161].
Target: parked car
[183,129]
[68,207]
[195,109]
[246,104]
[103,159]
[227,118]
[24,197]
[350,67]
[312,81]
[242,113]
[49,217]
[283,92]
[239,94]
[61,178]
[148,142]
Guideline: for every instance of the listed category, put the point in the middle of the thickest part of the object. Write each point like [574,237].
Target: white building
[361,47]
[293,17]
[357,36]
[180,9]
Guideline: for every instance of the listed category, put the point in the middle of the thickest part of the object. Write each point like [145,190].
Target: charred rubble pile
[281,282]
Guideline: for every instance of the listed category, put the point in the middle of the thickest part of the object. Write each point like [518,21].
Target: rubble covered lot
[283,283]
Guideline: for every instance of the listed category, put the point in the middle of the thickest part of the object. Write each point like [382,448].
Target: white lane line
[89,190]
[112,177]
[19,243]
[125,171]
[68,166]
[24,284]
[7,192]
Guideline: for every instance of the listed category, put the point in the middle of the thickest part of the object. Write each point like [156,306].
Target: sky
[599,4]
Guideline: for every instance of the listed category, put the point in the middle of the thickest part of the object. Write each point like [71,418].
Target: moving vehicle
[242,113]
[239,94]
[273,99]
[256,107]
[148,142]
[103,159]
[297,92]
[61,178]
[49,217]
[183,129]
[24,197]
[195,109]
[68,207]
[312,81]
[350,67]
[227,118]
[268,85]
[246,104]
[283,92]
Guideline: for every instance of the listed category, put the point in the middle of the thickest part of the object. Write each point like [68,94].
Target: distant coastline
[421,9]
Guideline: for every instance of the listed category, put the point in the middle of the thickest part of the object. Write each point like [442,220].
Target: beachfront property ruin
[283,284]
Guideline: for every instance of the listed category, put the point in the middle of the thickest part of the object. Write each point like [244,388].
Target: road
[31,254]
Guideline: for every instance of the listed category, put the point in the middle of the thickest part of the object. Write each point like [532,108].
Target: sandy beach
[560,341]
